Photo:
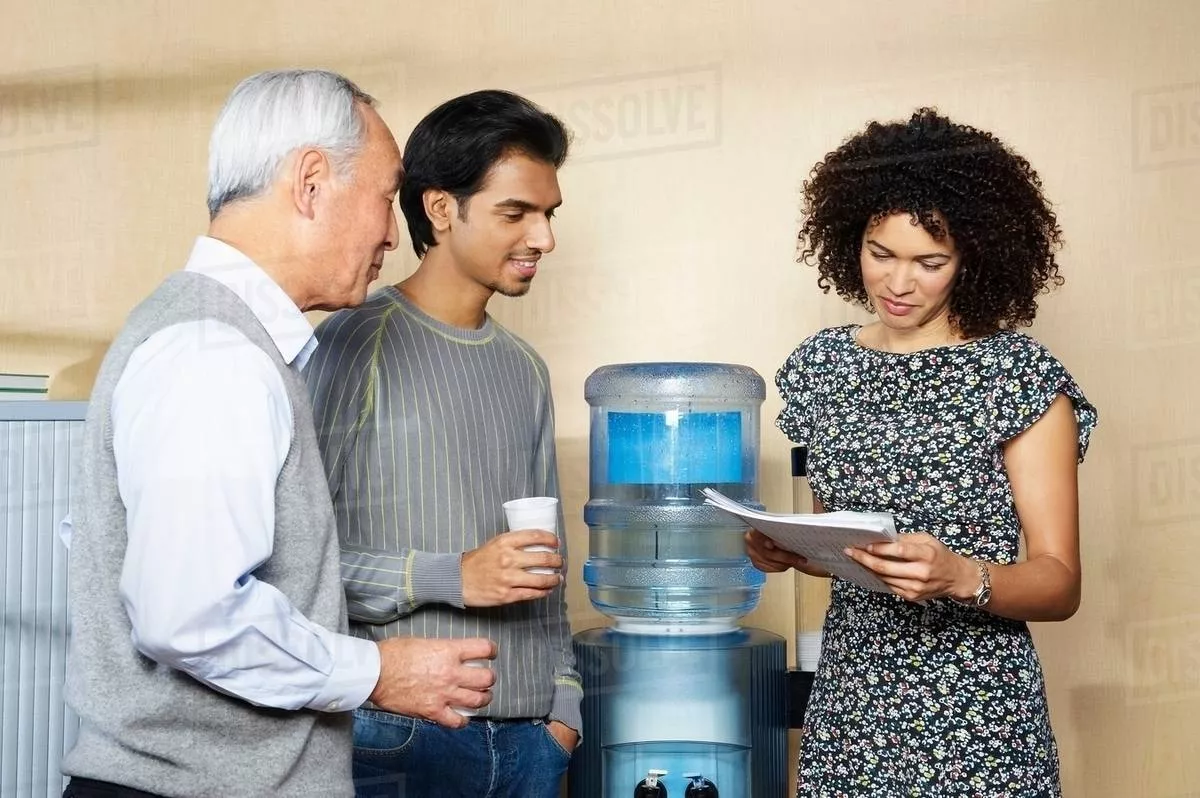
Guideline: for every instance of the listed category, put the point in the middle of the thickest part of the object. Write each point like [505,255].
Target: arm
[566,720]
[343,377]
[346,384]
[200,435]
[383,586]
[1042,465]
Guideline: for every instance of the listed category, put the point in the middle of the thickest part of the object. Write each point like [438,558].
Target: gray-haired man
[209,654]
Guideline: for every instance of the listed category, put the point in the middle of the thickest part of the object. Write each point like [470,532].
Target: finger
[471,699]
[756,538]
[527,594]
[542,559]
[474,677]
[894,551]
[883,566]
[526,580]
[767,567]
[529,537]
[766,553]
[474,648]
[445,716]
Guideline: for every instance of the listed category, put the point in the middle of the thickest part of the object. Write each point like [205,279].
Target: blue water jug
[660,432]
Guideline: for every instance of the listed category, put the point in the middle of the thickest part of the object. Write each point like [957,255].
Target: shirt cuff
[353,676]
[436,579]
[565,707]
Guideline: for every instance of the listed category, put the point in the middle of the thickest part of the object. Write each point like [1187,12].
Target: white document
[820,537]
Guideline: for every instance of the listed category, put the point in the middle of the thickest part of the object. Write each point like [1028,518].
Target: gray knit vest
[148,726]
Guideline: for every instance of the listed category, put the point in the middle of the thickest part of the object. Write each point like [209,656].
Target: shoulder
[507,339]
[206,365]
[822,346]
[204,348]
[352,333]
[1014,354]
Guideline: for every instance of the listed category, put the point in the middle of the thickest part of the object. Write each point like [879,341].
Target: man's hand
[494,574]
[567,737]
[425,678]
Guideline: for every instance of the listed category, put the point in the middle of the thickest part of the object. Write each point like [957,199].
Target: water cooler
[680,701]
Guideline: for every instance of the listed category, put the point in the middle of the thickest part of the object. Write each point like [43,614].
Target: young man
[208,653]
[431,415]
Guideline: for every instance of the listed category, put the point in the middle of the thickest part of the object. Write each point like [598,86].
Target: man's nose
[541,237]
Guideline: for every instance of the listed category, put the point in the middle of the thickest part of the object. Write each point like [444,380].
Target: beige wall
[676,240]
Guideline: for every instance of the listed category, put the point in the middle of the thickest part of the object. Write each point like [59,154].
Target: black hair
[953,179]
[456,145]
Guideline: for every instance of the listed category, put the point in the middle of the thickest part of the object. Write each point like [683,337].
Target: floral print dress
[942,699]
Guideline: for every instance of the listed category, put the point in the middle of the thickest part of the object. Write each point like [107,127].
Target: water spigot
[699,787]
[651,786]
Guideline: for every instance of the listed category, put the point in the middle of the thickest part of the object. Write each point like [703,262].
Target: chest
[914,439]
[462,398]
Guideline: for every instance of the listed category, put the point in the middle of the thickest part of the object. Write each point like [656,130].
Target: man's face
[496,239]
[360,223]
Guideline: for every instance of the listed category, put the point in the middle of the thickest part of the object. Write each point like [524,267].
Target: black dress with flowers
[940,700]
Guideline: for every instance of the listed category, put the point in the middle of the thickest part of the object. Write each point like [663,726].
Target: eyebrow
[926,256]
[522,205]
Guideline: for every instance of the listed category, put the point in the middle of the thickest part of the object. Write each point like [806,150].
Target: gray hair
[272,114]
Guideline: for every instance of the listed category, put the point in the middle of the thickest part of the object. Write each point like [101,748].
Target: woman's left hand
[918,566]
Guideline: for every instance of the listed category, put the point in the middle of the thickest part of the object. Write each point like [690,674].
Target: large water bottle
[660,432]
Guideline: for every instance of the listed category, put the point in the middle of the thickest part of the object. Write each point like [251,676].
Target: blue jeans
[401,757]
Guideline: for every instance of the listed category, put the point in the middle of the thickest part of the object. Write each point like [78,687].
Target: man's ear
[439,207]
[311,181]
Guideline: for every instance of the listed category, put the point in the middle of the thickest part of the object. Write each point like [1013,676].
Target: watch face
[985,595]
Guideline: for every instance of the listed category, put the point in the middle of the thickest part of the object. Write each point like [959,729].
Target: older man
[209,653]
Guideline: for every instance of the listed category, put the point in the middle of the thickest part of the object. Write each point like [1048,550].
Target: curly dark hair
[989,197]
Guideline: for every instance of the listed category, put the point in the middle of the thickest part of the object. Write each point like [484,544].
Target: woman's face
[909,275]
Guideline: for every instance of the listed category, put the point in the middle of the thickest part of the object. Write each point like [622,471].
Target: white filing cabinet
[38,441]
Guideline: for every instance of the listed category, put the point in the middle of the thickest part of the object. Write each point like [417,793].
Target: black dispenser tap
[699,787]
[651,786]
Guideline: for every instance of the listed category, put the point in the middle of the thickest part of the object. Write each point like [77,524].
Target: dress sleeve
[796,381]
[1028,380]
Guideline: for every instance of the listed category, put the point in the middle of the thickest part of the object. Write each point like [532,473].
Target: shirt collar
[275,310]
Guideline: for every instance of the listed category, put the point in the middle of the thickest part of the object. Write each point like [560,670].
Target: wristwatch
[983,593]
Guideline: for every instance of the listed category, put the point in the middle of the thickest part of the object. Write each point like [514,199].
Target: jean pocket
[383,733]
[555,745]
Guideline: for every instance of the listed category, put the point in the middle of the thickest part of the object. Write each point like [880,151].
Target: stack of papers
[820,537]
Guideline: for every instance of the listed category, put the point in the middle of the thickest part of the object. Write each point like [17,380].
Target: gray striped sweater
[426,429]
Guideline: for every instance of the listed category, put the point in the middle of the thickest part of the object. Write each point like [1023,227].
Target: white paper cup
[534,512]
[470,712]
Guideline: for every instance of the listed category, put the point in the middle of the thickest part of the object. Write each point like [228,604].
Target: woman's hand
[772,559]
[918,566]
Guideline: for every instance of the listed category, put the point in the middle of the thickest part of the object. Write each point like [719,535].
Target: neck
[263,242]
[936,332]
[441,289]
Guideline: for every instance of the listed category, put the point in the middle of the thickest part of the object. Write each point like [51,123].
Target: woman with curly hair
[969,432]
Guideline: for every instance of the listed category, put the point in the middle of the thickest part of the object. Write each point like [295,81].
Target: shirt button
[334,706]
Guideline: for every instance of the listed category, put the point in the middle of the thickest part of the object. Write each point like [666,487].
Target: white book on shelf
[23,387]
[820,537]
